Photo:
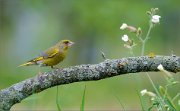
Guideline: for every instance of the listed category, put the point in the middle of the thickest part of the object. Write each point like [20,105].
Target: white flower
[143,92]
[151,94]
[155,19]
[123,26]
[160,67]
[125,38]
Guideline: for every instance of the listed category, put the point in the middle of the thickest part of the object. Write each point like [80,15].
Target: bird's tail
[27,64]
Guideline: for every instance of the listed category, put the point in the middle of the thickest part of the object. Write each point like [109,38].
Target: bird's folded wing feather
[49,53]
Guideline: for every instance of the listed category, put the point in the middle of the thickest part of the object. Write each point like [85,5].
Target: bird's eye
[66,42]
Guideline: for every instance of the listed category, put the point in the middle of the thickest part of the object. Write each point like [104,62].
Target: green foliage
[161,101]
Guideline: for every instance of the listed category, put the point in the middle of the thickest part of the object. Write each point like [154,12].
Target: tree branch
[109,68]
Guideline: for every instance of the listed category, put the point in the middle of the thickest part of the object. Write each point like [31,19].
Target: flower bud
[132,29]
[160,67]
[143,92]
[123,26]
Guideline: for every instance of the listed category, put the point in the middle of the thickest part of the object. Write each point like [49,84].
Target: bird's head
[65,44]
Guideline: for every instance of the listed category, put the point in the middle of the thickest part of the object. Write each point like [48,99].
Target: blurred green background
[27,27]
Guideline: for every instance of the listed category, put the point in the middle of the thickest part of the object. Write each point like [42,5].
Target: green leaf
[83,100]
[120,103]
[141,100]
[57,100]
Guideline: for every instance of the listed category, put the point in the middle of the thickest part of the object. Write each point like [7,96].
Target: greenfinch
[51,56]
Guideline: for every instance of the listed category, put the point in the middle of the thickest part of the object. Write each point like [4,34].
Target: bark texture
[19,91]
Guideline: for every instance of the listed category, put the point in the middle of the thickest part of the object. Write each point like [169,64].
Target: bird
[52,56]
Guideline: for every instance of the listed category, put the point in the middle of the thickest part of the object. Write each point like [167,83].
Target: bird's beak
[70,44]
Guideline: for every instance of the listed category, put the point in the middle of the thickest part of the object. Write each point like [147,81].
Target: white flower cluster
[129,43]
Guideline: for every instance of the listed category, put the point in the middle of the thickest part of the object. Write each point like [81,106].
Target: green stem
[142,50]
[176,97]
[57,99]
[131,51]
[148,33]
[153,84]
[146,38]
[142,53]
[156,90]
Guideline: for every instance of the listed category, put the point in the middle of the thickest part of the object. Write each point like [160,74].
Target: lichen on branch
[109,68]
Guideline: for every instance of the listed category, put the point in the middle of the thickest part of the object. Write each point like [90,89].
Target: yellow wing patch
[37,59]
[26,64]
[53,53]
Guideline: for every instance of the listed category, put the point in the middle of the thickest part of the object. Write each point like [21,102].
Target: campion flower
[125,38]
[160,67]
[155,19]
[130,28]
[143,92]
[151,94]
[123,26]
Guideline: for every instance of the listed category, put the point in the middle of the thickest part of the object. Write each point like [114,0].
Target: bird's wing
[49,53]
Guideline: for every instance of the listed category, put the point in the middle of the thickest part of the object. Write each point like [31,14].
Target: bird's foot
[55,67]
[39,73]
